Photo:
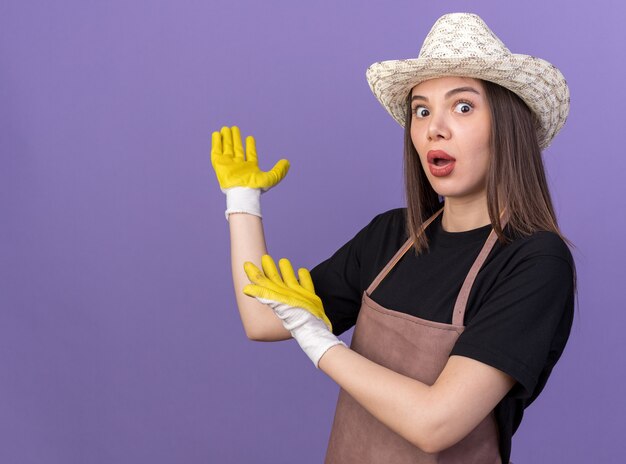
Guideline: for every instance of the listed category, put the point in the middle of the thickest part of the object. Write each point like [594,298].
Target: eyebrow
[449,93]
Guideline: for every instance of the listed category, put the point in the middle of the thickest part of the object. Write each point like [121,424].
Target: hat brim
[538,83]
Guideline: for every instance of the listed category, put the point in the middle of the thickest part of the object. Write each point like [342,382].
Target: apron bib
[416,348]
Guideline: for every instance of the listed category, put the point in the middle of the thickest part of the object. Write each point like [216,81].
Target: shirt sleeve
[524,322]
[341,279]
[337,282]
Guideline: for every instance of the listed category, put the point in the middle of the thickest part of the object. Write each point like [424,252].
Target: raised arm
[243,182]
[247,243]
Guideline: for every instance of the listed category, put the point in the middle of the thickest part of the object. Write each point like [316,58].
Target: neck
[460,215]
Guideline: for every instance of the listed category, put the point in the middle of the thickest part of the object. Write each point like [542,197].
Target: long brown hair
[516,177]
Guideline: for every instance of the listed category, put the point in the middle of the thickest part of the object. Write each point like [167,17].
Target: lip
[432,154]
[440,171]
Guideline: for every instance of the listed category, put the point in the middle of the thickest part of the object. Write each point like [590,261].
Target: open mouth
[439,158]
[442,161]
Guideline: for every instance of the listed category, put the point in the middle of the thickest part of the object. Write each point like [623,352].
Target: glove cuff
[322,350]
[243,200]
[315,339]
[309,331]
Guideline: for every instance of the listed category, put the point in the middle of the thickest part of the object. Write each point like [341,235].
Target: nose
[438,128]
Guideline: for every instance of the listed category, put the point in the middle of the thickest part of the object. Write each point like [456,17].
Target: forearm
[403,404]
[247,241]
[433,418]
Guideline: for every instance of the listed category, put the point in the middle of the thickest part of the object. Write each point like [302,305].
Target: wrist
[243,200]
[314,338]
[310,332]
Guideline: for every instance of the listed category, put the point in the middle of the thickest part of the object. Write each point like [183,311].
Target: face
[451,129]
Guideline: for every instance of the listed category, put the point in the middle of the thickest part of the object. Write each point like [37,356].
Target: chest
[427,286]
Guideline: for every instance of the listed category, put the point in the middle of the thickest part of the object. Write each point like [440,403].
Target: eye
[463,107]
[420,112]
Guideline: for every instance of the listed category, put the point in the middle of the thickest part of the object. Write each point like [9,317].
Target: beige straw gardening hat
[461,44]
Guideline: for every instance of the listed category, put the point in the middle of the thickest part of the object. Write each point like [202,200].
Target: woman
[454,339]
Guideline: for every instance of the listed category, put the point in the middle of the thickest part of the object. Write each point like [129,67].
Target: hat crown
[458,35]
[461,44]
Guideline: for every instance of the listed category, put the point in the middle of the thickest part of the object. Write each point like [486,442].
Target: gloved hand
[239,176]
[295,303]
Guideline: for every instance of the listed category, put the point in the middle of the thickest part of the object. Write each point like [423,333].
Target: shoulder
[538,262]
[539,246]
[391,219]
[388,226]
[387,223]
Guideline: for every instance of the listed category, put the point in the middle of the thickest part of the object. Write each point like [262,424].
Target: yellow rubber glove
[294,303]
[269,285]
[238,173]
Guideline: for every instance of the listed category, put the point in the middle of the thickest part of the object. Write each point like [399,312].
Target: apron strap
[400,253]
[458,313]
[460,305]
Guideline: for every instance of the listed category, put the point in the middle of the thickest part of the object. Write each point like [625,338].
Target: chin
[460,193]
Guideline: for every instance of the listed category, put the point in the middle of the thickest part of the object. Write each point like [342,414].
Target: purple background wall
[120,341]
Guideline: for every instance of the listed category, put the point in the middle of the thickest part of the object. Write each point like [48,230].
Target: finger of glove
[251,150]
[287,295]
[216,152]
[270,270]
[280,170]
[262,287]
[274,176]
[237,146]
[216,145]
[305,280]
[257,277]
[307,285]
[275,296]
[254,273]
[227,142]
[289,276]
[280,291]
